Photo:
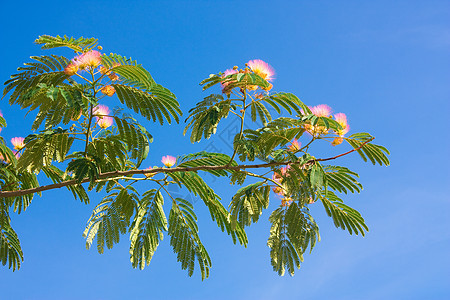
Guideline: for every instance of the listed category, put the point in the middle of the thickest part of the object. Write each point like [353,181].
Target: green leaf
[155,104]
[343,216]
[375,153]
[110,218]
[79,45]
[184,238]
[205,117]
[248,203]
[147,229]
[293,230]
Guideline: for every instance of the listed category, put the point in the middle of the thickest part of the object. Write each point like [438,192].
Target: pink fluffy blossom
[103,120]
[262,69]
[341,118]
[321,110]
[18,143]
[89,59]
[168,161]
[295,146]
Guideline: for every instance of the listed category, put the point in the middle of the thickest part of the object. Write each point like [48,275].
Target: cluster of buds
[256,66]
[279,189]
[324,110]
[108,90]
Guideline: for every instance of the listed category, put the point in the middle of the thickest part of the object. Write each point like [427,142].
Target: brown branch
[114,174]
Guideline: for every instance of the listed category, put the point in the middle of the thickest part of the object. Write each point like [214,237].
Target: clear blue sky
[386,64]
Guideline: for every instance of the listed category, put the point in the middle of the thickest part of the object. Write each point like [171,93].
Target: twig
[114,174]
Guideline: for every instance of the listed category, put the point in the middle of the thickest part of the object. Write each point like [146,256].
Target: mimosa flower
[168,161]
[89,59]
[105,122]
[341,118]
[1,115]
[18,143]
[262,69]
[101,110]
[71,69]
[108,90]
[311,200]
[321,110]
[295,146]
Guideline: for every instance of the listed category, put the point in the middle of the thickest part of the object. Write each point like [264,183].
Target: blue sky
[386,64]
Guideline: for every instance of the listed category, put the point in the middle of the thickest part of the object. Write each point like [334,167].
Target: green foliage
[132,73]
[342,179]
[248,203]
[57,176]
[184,238]
[206,115]
[136,138]
[108,157]
[42,149]
[207,159]
[78,45]
[111,218]
[293,230]
[147,228]
[375,153]
[10,250]
[155,104]
[343,216]
[195,184]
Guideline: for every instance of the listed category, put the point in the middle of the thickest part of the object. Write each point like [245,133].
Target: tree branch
[114,174]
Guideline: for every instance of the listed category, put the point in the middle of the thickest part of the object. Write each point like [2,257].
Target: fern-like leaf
[343,216]
[184,238]
[147,229]
[78,45]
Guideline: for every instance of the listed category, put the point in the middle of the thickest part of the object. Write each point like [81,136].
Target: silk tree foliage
[75,140]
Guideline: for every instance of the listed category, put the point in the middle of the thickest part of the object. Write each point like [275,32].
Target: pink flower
[89,59]
[103,120]
[262,69]
[168,161]
[295,146]
[71,69]
[341,118]
[18,143]
[321,110]
[284,170]
[101,110]
[1,115]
